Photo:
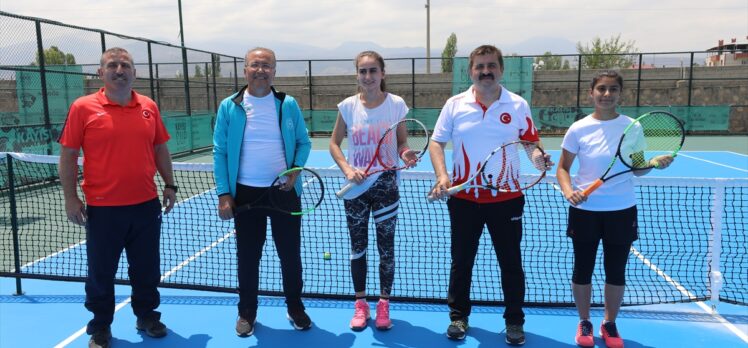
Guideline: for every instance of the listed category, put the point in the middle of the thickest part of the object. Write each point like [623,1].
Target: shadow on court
[315,337]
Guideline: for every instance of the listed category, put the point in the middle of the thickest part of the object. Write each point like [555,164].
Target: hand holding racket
[651,141]
[280,196]
[512,167]
[401,146]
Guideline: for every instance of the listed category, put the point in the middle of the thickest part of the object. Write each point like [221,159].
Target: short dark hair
[607,73]
[115,50]
[484,50]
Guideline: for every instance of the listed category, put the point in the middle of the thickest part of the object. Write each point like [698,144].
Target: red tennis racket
[407,138]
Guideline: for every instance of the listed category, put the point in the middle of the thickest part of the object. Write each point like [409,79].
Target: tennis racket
[512,167]
[650,136]
[389,156]
[276,198]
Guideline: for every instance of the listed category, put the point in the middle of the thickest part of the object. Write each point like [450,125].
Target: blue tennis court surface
[688,164]
[206,319]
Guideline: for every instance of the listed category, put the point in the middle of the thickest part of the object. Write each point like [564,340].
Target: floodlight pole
[428,36]
[181,28]
[185,69]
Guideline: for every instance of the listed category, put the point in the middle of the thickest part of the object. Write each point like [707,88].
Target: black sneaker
[515,335]
[457,329]
[152,327]
[299,319]
[244,327]
[100,339]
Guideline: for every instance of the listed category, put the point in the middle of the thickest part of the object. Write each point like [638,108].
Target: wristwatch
[173,187]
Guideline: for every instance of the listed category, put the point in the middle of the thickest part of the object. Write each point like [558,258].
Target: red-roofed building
[726,54]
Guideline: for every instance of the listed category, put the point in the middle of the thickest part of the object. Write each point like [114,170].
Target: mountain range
[348,49]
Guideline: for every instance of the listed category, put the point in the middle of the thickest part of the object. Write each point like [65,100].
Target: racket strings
[417,140]
[502,170]
[312,192]
[654,135]
[387,152]
[418,137]
[515,167]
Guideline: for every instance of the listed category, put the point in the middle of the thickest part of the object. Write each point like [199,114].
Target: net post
[715,272]
[14,225]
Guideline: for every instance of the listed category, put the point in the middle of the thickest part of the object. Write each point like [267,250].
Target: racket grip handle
[454,189]
[451,191]
[348,186]
[592,187]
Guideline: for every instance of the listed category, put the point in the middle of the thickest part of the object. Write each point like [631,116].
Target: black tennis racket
[649,137]
[280,198]
[389,155]
[512,167]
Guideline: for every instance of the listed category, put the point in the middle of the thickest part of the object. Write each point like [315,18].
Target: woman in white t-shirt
[609,214]
[365,117]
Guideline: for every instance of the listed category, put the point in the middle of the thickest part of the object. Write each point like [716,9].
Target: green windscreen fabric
[695,118]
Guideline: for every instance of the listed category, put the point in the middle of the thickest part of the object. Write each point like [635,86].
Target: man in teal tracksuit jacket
[253,106]
[229,134]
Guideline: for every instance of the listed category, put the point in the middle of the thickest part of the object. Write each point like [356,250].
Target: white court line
[176,268]
[730,326]
[736,153]
[715,163]
[73,246]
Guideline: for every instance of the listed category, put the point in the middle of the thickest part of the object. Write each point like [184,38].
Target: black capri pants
[617,229]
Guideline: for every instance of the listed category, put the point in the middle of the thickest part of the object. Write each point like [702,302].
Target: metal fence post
[236,76]
[309,79]
[150,72]
[690,80]
[157,96]
[43,81]
[413,83]
[14,223]
[207,85]
[215,63]
[639,81]
[579,80]
[186,76]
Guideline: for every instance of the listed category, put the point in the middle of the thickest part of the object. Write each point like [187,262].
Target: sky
[231,27]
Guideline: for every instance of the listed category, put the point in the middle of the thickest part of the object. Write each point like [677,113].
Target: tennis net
[691,243]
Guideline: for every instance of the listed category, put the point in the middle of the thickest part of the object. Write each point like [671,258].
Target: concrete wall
[661,86]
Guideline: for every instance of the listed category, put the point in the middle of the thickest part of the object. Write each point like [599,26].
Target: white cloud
[666,25]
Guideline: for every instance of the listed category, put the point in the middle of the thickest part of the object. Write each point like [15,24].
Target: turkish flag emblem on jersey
[505,118]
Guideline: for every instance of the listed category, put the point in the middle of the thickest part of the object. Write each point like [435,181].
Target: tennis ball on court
[327,255]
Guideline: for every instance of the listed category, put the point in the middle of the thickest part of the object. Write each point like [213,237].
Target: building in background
[733,53]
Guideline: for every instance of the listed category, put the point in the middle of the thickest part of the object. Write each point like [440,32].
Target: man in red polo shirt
[124,143]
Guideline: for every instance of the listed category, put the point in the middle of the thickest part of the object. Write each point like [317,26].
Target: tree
[548,61]
[198,71]
[448,55]
[611,53]
[54,56]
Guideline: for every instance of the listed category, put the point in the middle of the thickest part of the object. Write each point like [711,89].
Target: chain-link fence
[37,88]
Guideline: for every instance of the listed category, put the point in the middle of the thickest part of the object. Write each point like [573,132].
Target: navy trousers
[110,230]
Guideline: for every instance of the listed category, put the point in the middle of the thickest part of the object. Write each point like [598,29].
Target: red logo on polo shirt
[505,118]
[146,114]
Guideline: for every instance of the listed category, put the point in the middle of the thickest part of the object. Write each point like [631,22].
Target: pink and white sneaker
[360,315]
[383,321]
[609,333]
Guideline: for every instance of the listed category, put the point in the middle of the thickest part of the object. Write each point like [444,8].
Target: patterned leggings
[381,200]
